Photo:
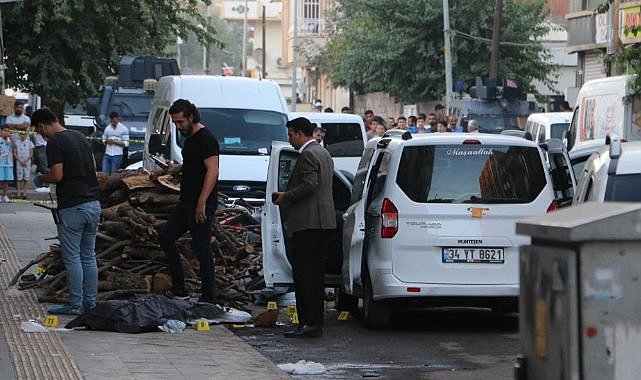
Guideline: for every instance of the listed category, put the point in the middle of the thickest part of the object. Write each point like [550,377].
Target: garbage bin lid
[590,221]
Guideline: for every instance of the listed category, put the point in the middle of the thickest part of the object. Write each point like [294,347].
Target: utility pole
[264,49]
[447,35]
[207,51]
[294,54]
[496,31]
[244,59]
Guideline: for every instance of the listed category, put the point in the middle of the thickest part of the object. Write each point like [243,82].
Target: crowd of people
[435,121]
[376,126]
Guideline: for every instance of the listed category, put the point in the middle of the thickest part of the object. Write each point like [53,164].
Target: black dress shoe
[305,331]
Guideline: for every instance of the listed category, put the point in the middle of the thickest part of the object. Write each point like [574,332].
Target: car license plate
[474,255]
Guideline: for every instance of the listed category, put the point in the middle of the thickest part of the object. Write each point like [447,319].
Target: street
[439,343]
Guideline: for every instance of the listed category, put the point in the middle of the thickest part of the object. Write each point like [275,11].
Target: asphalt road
[440,343]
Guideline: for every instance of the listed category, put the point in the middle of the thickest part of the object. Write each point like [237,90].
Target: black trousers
[181,220]
[307,252]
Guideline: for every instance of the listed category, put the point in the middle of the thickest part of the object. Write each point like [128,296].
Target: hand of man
[277,198]
[200,212]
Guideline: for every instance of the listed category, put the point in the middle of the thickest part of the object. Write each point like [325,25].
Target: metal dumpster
[580,294]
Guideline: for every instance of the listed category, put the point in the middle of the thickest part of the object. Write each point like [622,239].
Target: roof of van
[616,82]
[213,91]
[551,117]
[327,117]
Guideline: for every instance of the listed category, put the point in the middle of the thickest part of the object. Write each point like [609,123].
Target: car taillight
[553,206]
[389,222]
[471,142]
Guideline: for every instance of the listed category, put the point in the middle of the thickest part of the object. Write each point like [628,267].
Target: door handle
[345,217]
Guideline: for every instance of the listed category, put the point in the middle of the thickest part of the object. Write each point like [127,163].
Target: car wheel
[346,302]
[376,314]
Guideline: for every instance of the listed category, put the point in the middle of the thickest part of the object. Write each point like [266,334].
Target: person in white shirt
[116,138]
[18,121]
[472,126]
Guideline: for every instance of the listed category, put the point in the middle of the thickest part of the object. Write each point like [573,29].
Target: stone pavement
[89,354]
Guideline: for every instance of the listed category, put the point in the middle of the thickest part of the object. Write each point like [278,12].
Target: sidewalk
[84,354]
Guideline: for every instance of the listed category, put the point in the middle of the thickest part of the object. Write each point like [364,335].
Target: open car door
[354,224]
[276,268]
[560,166]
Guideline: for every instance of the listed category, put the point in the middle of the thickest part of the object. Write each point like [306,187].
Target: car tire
[346,302]
[376,314]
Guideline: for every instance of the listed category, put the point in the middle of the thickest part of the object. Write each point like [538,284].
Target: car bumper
[387,286]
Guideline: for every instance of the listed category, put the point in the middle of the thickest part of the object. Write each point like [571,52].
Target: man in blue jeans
[116,139]
[198,201]
[72,168]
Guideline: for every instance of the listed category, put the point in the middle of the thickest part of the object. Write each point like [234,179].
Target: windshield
[131,106]
[484,174]
[495,123]
[557,131]
[343,139]
[242,131]
[78,109]
[623,188]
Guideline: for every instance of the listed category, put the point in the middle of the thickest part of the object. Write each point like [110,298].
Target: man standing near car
[116,139]
[73,169]
[309,216]
[198,201]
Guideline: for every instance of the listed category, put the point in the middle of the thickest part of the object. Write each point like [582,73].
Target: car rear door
[276,268]
[354,220]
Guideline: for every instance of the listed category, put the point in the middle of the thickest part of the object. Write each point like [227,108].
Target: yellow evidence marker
[51,321]
[291,310]
[202,325]
[343,316]
[272,305]
[295,318]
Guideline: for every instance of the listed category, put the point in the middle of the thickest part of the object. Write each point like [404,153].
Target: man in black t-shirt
[198,200]
[72,168]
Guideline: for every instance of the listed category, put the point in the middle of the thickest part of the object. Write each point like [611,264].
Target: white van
[428,219]
[345,137]
[244,114]
[548,125]
[606,105]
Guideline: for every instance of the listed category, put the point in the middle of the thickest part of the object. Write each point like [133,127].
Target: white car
[548,125]
[612,174]
[431,218]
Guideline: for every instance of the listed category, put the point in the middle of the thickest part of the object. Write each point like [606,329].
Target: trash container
[580,294]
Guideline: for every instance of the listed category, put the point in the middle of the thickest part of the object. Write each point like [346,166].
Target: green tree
[63,49]
[397,45]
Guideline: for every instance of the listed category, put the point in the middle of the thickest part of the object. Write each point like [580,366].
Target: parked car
[581,152]
[548,125]
[431,218]
[612,174]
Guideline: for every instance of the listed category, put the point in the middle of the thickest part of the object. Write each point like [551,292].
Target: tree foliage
[397,45]
[63,49]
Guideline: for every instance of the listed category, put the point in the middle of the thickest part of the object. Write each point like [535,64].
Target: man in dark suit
[309,216]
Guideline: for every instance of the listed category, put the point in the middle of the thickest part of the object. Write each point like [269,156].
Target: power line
[488,40]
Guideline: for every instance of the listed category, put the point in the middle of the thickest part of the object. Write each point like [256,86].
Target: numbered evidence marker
[294,318]
[291,310]
[51,321]
[272,305]
[202,325]
[343,316]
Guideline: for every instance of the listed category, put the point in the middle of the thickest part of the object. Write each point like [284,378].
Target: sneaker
[5,199]
[64,309]
[43,189]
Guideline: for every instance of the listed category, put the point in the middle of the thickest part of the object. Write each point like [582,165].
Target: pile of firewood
[130,262]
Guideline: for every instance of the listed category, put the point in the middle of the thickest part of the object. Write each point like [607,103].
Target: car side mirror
[155,144]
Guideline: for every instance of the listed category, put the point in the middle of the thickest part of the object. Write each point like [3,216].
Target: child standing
[6,162]
[23,155]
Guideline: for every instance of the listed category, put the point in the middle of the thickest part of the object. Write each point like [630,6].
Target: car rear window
[471,173]
[623,188]
[557,131]
[343,139]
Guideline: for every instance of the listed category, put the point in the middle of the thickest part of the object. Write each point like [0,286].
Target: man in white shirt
[116,138]
[18,121]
